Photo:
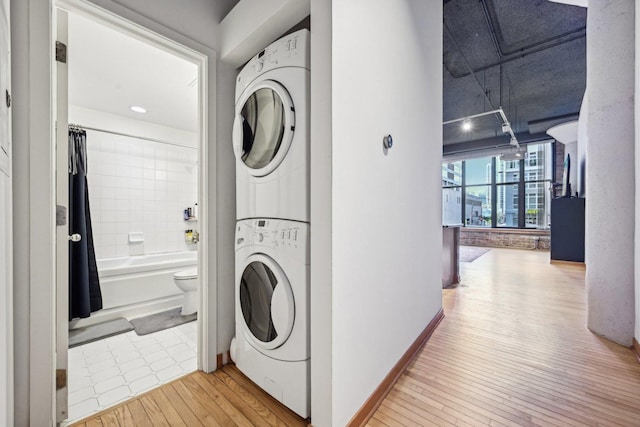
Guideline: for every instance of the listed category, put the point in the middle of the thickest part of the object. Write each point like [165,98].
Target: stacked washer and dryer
[271,144]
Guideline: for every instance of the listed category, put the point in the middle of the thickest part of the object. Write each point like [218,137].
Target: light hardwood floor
[513,350]
[223,398]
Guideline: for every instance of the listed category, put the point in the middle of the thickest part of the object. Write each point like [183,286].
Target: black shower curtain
[84,286]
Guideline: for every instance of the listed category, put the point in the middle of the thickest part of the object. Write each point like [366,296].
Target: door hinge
[61,378]
[8,98]
[61,215]
[61,52]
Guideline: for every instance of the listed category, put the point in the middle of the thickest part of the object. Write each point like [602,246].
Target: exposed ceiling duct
[526,57]
[581,3]
[566,133]
[543,125]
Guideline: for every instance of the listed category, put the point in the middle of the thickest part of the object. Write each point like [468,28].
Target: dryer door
[266,302]
[263,127]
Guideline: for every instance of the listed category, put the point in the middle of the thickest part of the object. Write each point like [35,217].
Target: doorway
[137,99]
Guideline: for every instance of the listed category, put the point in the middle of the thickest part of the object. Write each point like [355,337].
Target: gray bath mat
[159,321]
[471,253]
[97,332]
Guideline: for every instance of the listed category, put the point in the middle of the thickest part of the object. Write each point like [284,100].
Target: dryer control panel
[291,50]
[292,237]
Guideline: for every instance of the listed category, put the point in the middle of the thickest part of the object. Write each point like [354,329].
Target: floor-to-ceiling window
[499,191]
[476,178]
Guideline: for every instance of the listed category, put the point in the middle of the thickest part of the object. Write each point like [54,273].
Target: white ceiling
[109,71]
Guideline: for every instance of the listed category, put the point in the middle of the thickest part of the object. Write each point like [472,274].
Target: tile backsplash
[136,186]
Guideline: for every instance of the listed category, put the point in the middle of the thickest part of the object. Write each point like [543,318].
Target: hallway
[513,349]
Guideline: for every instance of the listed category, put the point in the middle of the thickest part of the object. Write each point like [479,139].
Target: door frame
[207,327]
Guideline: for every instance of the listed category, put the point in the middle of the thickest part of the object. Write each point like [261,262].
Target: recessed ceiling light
[466,126]
[138,109]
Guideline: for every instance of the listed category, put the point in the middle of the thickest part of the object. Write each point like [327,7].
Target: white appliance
[271,132]
[272,345]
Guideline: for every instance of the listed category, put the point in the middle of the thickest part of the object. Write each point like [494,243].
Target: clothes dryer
[272,345]
[271,132]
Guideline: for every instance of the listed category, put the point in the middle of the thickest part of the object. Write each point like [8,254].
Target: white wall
[581,163]
[321,293]
[194,19]
[386,212]
[610,206]
[254,24]
[225,214]
[33,201]
[114,122]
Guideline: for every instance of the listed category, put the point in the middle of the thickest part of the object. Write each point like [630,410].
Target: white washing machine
[272,345]
[271,132]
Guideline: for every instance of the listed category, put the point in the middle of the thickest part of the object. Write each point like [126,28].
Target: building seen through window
[489,192]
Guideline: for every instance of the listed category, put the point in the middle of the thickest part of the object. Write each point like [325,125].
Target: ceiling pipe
[528,51]
[464,58]
[505,57]
[497,144]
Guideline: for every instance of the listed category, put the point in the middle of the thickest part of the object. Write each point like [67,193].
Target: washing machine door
[266,302]
[263,127]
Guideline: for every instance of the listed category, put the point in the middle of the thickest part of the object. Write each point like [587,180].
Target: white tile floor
[106,372]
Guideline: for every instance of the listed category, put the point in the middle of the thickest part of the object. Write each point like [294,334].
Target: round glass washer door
[263,127]
[266,302]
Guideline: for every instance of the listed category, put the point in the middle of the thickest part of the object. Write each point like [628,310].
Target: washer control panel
[291,50]
[273,233]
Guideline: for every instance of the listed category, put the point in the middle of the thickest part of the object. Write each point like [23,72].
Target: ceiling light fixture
[506,126]
[466,126]
[514,153]
[138,109]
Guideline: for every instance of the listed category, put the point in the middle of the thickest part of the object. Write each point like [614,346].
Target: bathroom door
[62,227]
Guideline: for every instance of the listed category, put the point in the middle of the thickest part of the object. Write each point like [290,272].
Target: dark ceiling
[527,56]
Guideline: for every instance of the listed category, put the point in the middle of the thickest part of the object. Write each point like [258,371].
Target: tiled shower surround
[138,185]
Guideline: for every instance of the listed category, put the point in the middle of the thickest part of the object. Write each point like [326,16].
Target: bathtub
[138,285]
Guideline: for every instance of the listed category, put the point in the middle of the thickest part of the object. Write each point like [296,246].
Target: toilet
[187,282]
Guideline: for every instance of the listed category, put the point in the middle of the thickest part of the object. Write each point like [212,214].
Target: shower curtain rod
[71,126]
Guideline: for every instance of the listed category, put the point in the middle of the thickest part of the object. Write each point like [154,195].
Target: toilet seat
[191,273]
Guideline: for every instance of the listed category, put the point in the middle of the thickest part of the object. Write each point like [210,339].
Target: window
[489,192]
[538,167]
[451,193]
[452,174]
[477,212]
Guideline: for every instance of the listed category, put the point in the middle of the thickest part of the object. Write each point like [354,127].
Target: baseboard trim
[222,359]
[571,263]
[373,402]
[636,349]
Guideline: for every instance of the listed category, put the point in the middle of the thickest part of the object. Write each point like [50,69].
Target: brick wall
[500,238]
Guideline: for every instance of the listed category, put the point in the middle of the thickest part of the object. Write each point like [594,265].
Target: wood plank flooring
[223,398]
[513,350]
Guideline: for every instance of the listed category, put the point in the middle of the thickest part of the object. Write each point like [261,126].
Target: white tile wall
[138,185]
